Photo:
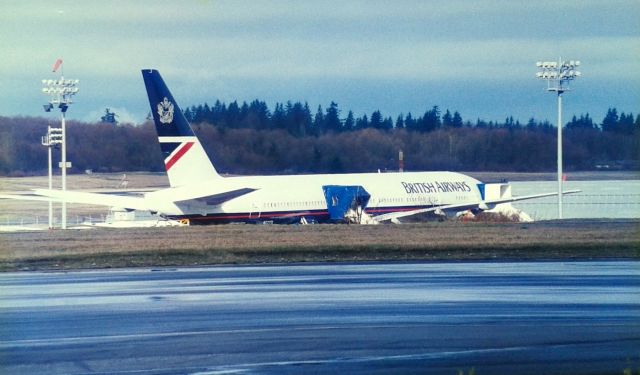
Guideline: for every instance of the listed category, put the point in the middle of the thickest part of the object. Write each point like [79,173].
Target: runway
[422,318]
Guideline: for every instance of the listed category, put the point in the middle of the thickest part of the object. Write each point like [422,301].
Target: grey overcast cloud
[476,57]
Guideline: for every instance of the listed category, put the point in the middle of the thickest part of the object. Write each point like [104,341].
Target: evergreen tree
[318,122]
[409,122]
[387,124]
[298,118]
[349,122]
[187,114]
[332,118]
[218,113]
[206,114]
[625,123]
[400,122]
[278,118]
[376,120]
[307,123]
[362,122]
[430,120]
[233,115]
[610,121]
[509,122]
[447,119]
[244,112]
[457,120]
[584,122]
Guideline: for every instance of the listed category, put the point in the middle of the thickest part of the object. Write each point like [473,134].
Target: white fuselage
[292,197]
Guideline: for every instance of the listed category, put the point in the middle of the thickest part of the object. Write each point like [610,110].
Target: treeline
[297,119]
[292,141]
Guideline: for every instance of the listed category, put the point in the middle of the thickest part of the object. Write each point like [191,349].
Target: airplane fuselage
[292,197]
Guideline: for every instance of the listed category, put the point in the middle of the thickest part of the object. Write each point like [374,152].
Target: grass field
[233,244]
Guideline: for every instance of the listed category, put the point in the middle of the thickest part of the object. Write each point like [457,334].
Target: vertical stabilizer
[185,160]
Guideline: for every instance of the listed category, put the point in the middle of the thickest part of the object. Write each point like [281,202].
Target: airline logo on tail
[165,111]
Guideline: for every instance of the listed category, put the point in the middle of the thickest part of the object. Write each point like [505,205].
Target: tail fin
[184,158]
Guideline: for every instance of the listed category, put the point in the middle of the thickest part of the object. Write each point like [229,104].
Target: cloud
[247,48]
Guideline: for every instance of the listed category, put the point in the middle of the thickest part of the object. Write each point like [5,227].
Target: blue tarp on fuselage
[341,198]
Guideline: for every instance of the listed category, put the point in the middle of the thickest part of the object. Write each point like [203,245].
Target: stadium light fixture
[558,76]
[52,138]
[61,92]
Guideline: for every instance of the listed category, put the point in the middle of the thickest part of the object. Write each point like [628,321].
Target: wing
[483,205]
[118,200]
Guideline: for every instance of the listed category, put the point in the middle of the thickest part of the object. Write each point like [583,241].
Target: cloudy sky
[476,57]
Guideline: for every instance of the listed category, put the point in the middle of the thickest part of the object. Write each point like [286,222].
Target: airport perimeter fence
[576,206]
[584,206]
[39,220]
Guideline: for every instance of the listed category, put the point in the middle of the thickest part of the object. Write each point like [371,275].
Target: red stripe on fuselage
[181,151]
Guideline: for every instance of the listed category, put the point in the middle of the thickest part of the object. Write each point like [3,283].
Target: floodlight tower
[61,92]
[558,76]
[52,138]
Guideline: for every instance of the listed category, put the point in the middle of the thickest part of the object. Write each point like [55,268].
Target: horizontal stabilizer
[28,197]
[109,200]
[215,199]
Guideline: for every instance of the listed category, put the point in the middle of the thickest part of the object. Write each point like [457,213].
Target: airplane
[198,194]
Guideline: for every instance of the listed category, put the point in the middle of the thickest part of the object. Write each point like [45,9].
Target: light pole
[53,137]
[558,75]
[61,92]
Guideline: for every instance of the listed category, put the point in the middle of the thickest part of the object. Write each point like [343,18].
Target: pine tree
[610,121]
[625,124]
[447,119]
[349,122]
[457,120]
[376,120]
[278,119]
[233,115]
[387,124]
[332,118]
[400,122]
[318,122]
[409,122]
[430,120]
[362,122]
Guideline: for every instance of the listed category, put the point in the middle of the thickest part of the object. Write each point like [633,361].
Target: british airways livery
[199,195]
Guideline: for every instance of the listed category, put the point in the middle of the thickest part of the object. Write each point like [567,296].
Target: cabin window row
[292,204]
[407,200]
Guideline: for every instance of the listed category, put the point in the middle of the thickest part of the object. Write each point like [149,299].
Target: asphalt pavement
[388,318]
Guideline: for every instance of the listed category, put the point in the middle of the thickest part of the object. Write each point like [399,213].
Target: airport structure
[60,92]
[558,76]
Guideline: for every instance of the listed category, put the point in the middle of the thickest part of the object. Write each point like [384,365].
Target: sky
[475,57]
